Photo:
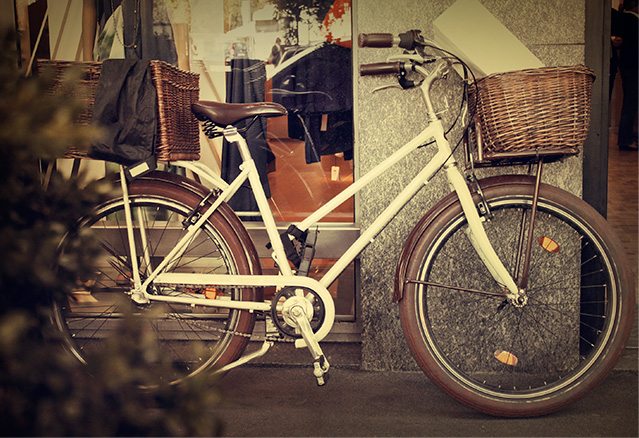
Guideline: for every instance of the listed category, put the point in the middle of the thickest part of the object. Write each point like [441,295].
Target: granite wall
[552,29]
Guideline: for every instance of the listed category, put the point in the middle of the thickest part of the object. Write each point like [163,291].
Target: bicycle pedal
[321,381]
[320,370]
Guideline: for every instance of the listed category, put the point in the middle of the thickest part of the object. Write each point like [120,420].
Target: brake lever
[406,84]
[411,57]
[384,87]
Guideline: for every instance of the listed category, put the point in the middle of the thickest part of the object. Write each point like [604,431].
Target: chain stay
[271,335]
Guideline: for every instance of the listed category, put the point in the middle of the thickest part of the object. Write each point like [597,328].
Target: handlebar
[408,40]
[411,40]
[380,68]
[410,66]
[376,40]
[411,62]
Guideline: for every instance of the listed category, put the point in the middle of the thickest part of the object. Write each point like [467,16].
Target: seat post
[232,135]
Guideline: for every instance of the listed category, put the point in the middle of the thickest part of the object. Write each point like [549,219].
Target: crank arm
[321,365]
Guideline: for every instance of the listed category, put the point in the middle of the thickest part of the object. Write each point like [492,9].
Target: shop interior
[243,51]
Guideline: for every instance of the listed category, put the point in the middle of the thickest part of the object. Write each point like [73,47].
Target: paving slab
[285,401]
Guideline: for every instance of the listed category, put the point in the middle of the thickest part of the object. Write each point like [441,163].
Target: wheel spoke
[192,338]
[503,355]
[457,288]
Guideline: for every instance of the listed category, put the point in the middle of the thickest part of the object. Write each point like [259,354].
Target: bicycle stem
[441,69]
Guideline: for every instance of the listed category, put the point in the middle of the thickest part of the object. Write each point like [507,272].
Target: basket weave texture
[533,110]
[178,129]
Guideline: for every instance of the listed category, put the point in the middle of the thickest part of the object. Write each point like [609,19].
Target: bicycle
[503,325]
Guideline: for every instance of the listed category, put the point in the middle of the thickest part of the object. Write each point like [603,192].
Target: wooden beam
[595,172]
[22,25]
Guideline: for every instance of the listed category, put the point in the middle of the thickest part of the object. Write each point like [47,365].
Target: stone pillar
[553,31]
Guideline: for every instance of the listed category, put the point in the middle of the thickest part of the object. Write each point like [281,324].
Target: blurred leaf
[44,391]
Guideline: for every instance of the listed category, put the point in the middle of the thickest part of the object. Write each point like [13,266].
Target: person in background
[133,29]
[276,53]
[615,43]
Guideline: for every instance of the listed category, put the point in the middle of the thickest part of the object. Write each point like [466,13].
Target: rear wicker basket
[531,113]
[178,130]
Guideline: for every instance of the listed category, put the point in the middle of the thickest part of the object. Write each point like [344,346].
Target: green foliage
[36,126]
[309,12]
[44,391]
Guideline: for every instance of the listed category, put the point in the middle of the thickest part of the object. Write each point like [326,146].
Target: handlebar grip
[375,40]
[380,68]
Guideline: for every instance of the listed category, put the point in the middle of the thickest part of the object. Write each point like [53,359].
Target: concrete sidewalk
[285,401]
[277,396]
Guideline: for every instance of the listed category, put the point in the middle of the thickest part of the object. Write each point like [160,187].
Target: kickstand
[247,357]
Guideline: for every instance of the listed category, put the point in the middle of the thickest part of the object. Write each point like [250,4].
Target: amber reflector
[506,357]
[548,244]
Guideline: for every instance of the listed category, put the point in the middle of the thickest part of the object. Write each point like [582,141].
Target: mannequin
[136,29]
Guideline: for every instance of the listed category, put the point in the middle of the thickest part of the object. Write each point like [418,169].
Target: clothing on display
[317,90]
[245,83]
[125,99]
[323,133]
[134,29]
[626,28]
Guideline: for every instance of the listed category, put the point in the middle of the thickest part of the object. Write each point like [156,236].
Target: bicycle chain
[236,333]
[267,337]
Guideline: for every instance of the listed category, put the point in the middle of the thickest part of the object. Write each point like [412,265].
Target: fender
[428,219]
[173,181]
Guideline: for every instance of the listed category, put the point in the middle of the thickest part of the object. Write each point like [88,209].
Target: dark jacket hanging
[245,84]
[318,92]
[125,110]
[147,31]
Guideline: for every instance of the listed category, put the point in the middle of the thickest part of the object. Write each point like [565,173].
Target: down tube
[385,217]
[429,132]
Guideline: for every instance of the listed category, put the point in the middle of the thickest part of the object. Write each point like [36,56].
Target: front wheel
[518,358]
[191,338]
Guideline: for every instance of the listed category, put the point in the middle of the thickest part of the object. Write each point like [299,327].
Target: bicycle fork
[479,239]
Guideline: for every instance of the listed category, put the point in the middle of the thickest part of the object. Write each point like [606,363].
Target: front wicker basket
[178,135]
[531,113]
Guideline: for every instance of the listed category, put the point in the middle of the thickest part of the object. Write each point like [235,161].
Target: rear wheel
[191,338]
[519,359]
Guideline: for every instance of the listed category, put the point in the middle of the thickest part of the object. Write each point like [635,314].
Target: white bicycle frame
[443,158]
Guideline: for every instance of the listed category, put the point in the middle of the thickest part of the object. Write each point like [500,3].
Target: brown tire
[193,339]
[491,354]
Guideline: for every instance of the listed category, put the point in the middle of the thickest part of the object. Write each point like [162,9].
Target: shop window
[297,53]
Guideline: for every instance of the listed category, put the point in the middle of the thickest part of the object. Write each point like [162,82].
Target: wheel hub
[520,300]
[291,301]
